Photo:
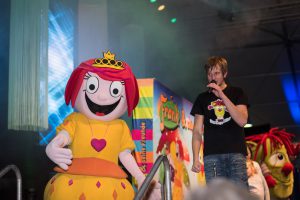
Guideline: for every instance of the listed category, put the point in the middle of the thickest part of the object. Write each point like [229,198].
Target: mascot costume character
[101,90]
[272,150]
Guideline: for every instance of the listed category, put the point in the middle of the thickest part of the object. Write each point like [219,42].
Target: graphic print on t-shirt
[219,109]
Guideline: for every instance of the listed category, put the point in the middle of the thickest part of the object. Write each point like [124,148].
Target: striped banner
[142,132]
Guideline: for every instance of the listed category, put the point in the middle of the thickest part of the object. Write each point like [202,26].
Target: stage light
[292,95]
[173,20]
[152,1]
[161,7]
[248,125]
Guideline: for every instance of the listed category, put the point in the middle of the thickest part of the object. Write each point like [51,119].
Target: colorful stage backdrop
[162,124]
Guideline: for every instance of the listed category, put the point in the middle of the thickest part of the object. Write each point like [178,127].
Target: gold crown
[108,61]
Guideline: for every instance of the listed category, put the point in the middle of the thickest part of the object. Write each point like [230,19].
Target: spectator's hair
[220,188]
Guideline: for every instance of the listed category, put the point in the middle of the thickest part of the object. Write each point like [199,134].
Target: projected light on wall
[60,60]
[292,96]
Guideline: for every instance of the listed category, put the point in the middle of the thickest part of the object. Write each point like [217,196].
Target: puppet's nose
[287,168]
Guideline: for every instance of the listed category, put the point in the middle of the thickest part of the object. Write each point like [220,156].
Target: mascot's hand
[59,155]
[153,192]
[267,174]
[264,169]
[270,181]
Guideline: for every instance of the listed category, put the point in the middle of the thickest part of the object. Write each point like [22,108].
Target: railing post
[167,178]
[18,176]
[148,179]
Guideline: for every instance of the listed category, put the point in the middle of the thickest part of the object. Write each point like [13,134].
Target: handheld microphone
[210,89]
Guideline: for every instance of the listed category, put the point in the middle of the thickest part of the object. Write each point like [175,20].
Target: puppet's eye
[92,85]
[277,159]
[116,88]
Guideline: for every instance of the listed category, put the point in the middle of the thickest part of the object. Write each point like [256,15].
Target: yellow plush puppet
[272,150]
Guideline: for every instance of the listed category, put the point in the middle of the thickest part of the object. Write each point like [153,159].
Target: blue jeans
[231,166]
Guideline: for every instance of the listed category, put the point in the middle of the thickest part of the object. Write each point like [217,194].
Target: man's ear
[225,75]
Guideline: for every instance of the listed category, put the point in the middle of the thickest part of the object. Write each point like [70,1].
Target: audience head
[221,189]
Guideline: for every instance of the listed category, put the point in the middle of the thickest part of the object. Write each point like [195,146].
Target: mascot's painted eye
[116,88]
[92,85]
[277,159]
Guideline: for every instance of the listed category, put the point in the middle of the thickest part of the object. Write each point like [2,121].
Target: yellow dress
[87,141]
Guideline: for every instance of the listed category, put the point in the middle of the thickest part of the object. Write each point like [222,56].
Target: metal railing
[18,176]
[166,192]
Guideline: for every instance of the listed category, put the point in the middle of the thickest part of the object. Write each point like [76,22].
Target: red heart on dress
[98,145]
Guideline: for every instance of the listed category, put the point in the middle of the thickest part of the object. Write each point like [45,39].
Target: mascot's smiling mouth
[101,110]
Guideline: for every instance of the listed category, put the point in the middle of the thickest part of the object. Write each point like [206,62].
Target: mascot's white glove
[57,153]
[153,192]
[130,164]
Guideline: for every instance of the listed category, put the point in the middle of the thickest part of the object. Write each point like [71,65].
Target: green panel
[145,102]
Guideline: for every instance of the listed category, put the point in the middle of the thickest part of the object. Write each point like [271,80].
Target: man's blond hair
[213,61]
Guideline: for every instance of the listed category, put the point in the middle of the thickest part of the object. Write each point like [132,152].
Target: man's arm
[196,141]
[239,113]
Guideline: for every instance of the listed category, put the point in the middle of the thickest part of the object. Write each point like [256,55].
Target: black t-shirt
[221,133]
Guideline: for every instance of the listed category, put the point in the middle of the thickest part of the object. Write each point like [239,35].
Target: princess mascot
[101,90]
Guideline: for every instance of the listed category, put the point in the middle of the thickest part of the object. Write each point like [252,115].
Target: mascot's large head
[274,148]
[102,88]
